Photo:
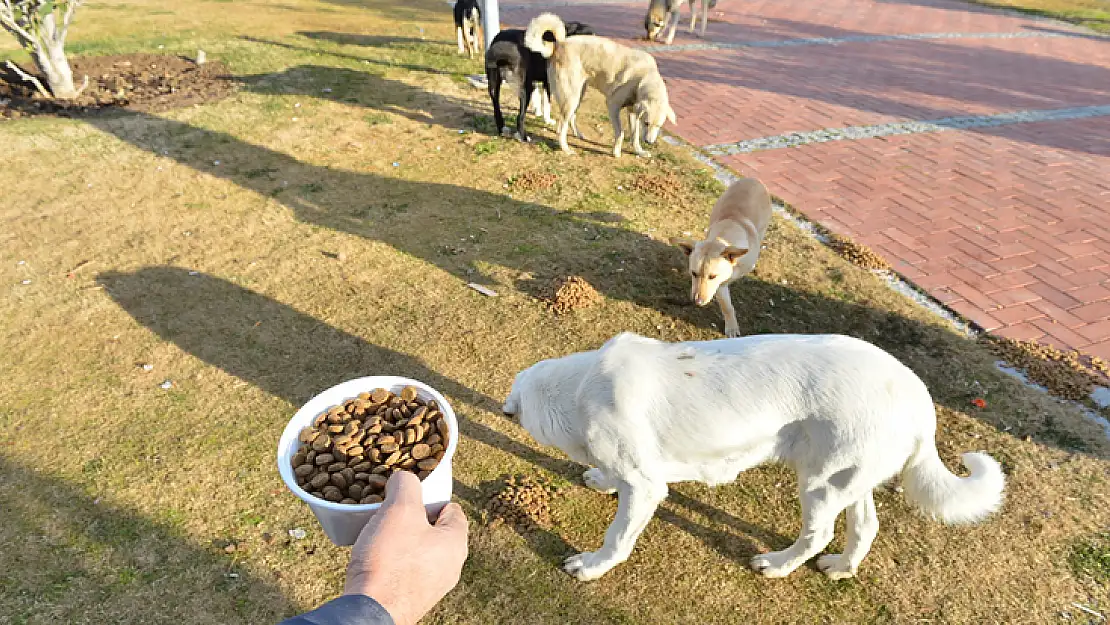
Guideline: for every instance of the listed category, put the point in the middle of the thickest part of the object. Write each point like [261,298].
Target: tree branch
[7,20]
[71,6]
[31,79]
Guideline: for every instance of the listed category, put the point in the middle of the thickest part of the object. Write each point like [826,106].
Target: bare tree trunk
[50,57]
[46,44]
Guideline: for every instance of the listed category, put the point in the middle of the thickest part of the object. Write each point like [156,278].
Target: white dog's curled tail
[952,499]
[540,26]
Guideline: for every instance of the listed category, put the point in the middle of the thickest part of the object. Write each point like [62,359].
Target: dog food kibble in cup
[351,450]
[340,449]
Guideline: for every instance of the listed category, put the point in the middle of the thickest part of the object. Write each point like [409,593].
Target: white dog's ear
[733,254]
[687,245]
[670,115]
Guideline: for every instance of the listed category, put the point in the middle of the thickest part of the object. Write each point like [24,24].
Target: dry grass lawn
[322,224]
[1094,14]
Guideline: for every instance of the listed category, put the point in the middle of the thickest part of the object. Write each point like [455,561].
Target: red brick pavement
[1009,226]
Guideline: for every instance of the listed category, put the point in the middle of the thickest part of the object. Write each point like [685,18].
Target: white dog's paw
[643,154]
[597,480]
[770,565]
[549,122]
[732,331]
[587,566]
[836,566]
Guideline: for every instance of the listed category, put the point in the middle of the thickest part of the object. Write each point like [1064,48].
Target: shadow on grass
[70,558]
[294,356]
[427,69]
[370,41]
[427,220]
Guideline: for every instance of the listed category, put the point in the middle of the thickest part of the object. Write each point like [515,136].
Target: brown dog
[730,248]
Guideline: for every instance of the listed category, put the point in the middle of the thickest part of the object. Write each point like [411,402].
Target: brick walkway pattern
[1008,225]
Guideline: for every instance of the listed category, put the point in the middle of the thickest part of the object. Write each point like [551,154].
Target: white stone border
[852,133]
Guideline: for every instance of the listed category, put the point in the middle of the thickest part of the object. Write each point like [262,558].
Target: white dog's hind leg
[693,14]
[820,507]
[459,34]
[636,503]
[724,299]
[674,18]
[597,480]
[862,526]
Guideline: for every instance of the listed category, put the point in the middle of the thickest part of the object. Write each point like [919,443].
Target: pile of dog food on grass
[1069,375]
[134,82]
[664,186]
[532,180]
[523,503]
[859,255]
[569,293]
[351,450]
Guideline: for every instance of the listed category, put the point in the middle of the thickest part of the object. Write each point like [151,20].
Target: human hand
[401,560]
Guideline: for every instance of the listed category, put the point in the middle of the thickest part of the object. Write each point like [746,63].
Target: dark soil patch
[133,82]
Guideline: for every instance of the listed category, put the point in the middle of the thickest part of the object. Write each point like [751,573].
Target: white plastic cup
[343,522]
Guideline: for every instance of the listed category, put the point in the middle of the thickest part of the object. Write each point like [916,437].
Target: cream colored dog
[628,78]
[730,248]
[842,413]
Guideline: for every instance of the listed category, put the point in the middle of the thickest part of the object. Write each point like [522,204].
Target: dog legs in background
[673,18]
[541,104]
[636,504]
[724,299]
[694,15]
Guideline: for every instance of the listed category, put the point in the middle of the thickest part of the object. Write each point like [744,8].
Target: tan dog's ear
[733,254]
[687,245]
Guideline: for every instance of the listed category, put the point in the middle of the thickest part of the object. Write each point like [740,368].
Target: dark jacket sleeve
[345,610]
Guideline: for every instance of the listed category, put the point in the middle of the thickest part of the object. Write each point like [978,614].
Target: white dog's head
[543,400]
[654,112]
[711,264]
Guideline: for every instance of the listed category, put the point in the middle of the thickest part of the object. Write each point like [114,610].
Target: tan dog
[730,248]
[628,78]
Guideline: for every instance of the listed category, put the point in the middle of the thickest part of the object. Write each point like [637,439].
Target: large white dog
[844,414]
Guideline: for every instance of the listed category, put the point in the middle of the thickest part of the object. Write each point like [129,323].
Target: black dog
[468,16]
[507,60]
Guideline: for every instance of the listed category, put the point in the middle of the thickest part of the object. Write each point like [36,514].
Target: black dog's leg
[525,96]
[493,82]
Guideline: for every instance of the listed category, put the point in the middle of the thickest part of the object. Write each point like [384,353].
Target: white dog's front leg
[636,503]
[724,299]
[637,129]
[459,33]
[597,480]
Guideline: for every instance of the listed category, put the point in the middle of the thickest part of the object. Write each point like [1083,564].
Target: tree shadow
[446,225]
[370,41]
[462,230]
[113,564]
[427,69]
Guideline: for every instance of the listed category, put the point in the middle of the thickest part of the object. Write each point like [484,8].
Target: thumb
[452,519]
[403,490]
